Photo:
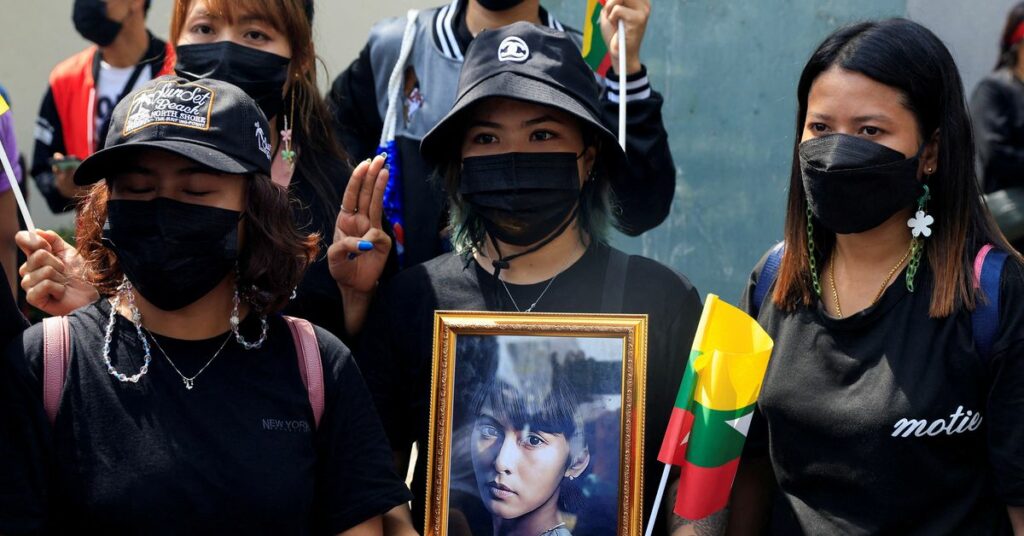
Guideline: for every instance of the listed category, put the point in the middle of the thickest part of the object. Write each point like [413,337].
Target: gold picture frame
[502,334]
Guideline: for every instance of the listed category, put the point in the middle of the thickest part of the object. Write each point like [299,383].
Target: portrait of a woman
[528,450]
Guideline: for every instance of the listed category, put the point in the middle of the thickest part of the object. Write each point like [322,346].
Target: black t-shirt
[396,345]
[238,453]
[890,422]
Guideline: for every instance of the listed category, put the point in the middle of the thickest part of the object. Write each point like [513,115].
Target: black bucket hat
[209,121]
[531,63]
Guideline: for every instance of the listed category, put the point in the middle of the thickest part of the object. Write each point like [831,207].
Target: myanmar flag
[714,407]
[595,52]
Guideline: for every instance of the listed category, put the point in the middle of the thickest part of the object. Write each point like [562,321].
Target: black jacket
[997,111]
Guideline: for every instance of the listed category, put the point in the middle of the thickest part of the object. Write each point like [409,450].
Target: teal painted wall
[728,71]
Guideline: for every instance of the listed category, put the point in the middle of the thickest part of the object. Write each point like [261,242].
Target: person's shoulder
[334,354]
[997,81]
[70,69]
[438,269]
[649,271]
[659,283]
[772,255]
[1012,276]
[90,317]
[391,30]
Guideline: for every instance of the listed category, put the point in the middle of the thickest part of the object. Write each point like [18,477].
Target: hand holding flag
[713,409]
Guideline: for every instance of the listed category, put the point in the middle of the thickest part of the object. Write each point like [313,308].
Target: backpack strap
[307,349]
[766,278]
[988,269]
[614,281]
[56,358]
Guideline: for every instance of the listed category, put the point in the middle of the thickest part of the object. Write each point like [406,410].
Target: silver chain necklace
[542,293]
[535,302]
[189,382]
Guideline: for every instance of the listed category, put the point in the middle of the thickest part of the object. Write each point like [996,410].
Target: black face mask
[853,184]
[499,5]
[90,18]
[521,197]
[173,253]
[260,74]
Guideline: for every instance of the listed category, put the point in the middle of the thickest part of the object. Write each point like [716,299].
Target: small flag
[595,52]
[714,407]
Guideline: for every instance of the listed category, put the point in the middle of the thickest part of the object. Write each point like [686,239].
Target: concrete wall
[37,34]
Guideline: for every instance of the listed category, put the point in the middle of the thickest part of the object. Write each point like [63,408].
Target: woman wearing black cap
[183,402]
[526,115]
[267,50]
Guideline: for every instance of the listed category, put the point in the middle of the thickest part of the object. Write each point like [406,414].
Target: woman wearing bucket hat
[182,401]
[266,49]
[526,162]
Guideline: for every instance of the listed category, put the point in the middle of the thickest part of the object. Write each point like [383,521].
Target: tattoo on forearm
[713,525]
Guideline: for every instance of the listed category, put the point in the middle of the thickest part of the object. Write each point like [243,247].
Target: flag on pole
[714,407]
[595,52]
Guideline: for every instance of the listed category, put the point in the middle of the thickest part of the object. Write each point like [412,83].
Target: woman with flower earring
[894,400]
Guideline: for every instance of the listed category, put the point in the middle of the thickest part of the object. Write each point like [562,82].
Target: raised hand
[634,14]
[360,247]
[53,275]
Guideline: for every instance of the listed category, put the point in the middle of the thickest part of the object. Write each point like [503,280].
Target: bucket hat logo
[513,49]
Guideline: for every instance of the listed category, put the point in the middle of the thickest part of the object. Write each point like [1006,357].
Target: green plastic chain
[810,253]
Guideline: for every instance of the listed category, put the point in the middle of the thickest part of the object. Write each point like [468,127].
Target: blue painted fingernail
[365,245]
[352,256]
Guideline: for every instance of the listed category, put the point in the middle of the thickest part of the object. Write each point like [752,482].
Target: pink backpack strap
[56,358]
[979,263]
[310,368]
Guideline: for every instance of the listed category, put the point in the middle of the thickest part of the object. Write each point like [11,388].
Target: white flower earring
[919,226]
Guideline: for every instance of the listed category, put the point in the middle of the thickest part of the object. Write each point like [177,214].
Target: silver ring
[347,211]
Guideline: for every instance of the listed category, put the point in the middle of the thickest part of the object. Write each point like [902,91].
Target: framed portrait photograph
[537,424]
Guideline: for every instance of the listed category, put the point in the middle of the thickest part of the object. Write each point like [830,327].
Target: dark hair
[1008,50]
[597,208]
[908,57]
[273,257]
[552,407]
[313,133]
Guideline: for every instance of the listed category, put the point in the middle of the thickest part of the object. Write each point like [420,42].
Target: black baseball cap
[531,63]
[208,121]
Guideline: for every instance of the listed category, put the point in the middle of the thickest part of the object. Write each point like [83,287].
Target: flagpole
[622,84]
[657,500]
[16,189]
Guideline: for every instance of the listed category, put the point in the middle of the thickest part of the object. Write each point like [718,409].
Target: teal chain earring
[919,226]
[811,257]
